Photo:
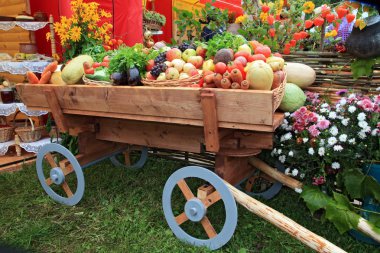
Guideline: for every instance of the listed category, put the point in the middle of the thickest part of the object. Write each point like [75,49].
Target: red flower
[325,10]
[341,12]
[308,24]
[265,8]
[318,21]
[286,50]
[297,36]
[304,34]
[350,17]
[292,43]
[330,17]
[272,32]
[270,19]
[278,17]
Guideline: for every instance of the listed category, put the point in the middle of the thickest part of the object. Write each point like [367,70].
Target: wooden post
[56,110]
[284,223]
[52,37]
[275,174]
[210,121]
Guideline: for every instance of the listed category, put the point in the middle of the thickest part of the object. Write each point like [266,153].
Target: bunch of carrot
[45,76]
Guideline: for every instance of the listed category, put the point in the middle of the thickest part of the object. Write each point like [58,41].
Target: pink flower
[318,180]
[323,124]
[314,131]
[302,110]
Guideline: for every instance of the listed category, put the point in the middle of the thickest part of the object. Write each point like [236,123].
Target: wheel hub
[195,210]
[57,176]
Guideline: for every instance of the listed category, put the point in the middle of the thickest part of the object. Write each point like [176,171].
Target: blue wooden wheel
[269,192]
[58,174]
[195,209]
[137,165]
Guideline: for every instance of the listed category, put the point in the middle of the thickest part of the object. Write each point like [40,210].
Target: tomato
[318,21]
[350,17]
[272,32]
[256,57]
[89,71]
[270,19]
[96,65]
[293,43]
[220,68]
[330,17]
[341,12]
[245,54]
[254,44]
[106,58]
[265,8]
[297,36]
[265,50]
[120,42]
[105,64]
[308,24]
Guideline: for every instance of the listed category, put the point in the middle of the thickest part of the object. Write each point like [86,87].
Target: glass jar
[7,95]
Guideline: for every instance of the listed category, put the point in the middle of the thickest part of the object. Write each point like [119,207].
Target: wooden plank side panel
[12,9]
[233,106]
[151,134]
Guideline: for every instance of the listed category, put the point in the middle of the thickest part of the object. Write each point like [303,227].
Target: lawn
[121,212]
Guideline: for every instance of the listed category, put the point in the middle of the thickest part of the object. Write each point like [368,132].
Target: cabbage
[293,99]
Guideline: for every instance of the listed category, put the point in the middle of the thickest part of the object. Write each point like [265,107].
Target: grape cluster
[161,58]
[158,69]
[186,45]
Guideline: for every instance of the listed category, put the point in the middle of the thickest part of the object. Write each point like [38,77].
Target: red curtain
[127,19]
[231,5]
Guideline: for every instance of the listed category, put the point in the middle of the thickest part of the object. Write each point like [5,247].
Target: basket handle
[31,123]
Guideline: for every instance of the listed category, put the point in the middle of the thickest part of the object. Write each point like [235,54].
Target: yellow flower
[328,34]
[334,33]
[105,14]
[308,7]
[240,19]
[279,4]
[48,36]
[360,23]
[75,33]
[263,17]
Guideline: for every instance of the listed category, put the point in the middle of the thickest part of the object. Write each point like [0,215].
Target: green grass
[121,212]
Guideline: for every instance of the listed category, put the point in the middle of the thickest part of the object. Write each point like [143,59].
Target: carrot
[225,83]
[244,85]
[235,85]
[45,78]
[236,76]
[209,78]
[51,67]
[217,79]
[32,78]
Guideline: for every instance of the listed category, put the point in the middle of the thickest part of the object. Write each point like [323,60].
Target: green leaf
[342,217]
[314,198]
[362,67]
[343,201]
[359,185]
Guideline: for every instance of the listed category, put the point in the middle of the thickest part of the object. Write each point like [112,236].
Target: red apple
[173,53]
[193,72]
[149,76]
[187,67]
[172,73]
[278,78]
[197,61]
[241,59]
[201,51]
[149,65]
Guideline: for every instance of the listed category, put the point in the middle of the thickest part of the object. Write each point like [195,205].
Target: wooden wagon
[233,124]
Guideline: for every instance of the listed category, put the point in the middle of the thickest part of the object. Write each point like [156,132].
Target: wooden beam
[210,121]
[56,110]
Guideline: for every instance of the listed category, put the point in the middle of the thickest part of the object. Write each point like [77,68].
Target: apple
[149,76]
[173,53]
[208,65]
[161,77]
[193,72]
[172,73]
[241,59]
[201,51]
[178,64]
[187,53]
[187,67]
[197,61]
[169,64]
[149,65]
[183,75]
[245,48]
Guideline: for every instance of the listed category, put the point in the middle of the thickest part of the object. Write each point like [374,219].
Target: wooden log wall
[9,40]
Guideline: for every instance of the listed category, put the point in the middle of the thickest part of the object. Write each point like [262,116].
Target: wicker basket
[29,133]
[278,94]
[6,133]
[186,82]
[151,25]
[94,82]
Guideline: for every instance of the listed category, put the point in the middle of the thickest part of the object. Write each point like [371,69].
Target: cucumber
[99,75]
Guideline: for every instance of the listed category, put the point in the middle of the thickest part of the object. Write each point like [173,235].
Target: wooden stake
[284,223]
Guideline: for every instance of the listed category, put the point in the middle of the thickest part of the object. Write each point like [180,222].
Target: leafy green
[358,185]
[314,198]
[362,67]
[224,40]
[130,57]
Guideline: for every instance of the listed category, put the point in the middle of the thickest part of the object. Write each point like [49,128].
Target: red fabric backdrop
[127,19]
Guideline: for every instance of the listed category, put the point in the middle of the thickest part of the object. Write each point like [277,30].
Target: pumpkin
[365,43]
[73,71]
[276,63]
[300,74]
[260,76]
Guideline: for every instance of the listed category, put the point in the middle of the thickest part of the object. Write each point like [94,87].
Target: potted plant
[153,20]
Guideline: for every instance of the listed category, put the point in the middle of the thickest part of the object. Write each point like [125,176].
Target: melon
[73,71]
[259,76]
[56,78]
[300,74]
[294,98]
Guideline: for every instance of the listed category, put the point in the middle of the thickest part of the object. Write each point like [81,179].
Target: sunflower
[308,7]
[75,33]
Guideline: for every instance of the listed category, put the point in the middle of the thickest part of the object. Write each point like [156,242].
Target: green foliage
[359,185]
[187,25]
[129,57]
[363,67]
[224,40]
[70,142]
[314,198]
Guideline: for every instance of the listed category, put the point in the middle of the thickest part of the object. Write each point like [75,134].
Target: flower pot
[368,204]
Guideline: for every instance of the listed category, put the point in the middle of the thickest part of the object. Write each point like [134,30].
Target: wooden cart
[233,124]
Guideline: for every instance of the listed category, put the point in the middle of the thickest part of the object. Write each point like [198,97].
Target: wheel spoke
[49,157]
[67,189]
[211,233]
[127,158]
[185,189]
[181,218]
[49,181]
[211,199]
[250,183]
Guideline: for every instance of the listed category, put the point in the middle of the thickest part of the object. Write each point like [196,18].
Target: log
[275,174]
[366,228]
[284,223]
